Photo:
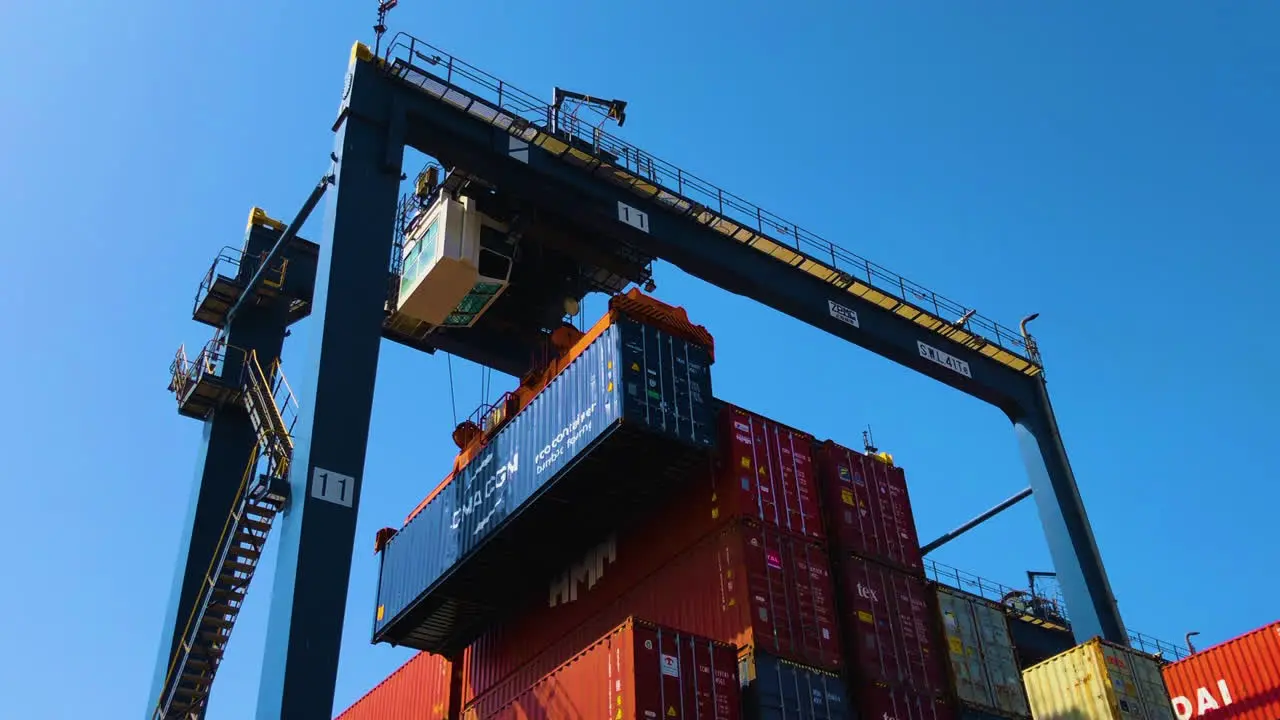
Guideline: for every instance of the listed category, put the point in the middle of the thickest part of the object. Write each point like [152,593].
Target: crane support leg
[1066,526]
[228,437]
[309,593]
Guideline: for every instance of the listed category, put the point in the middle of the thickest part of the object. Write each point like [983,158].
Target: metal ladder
[272,412]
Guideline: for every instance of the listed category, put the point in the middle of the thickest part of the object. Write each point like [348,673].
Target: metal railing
[1043,608]
[525,115]
[185,373]
[234,265]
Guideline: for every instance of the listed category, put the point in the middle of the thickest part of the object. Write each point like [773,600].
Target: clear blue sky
[1116,170]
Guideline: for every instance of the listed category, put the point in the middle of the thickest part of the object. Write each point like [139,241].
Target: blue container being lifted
[611,425]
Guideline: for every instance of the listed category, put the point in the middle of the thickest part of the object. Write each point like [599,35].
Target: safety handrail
[209,584]
[231,263]
[687,191]
[227,257]
[278,441]
[989,589]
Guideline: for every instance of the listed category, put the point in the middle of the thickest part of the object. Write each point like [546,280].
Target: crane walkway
[272,410]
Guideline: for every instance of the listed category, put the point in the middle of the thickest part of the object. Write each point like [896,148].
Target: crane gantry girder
[392,103]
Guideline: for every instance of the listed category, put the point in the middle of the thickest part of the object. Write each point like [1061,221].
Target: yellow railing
[187,640]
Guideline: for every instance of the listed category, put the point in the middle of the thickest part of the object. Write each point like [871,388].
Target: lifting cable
[453,403]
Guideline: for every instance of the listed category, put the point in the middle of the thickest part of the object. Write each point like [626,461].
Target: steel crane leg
[336,396]
[1075,554]
[228,438]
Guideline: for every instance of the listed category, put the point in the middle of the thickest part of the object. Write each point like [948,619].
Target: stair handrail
[289,403]
[187,641]
[229,255]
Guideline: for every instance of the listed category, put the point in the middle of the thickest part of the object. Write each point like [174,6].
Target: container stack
[981,657]
[735,555]
[890,629]
[612,539]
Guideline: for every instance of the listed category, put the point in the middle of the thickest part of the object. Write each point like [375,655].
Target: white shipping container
[983,664]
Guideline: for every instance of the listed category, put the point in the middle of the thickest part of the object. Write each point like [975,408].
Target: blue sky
[1114,169]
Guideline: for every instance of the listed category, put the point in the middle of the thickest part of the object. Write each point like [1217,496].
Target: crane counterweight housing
[456,262]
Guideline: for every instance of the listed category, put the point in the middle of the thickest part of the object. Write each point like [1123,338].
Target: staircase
[272,412]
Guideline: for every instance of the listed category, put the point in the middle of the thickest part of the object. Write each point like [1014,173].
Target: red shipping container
[587,586]
[876,701]
[766,473]
[891,633]
[748,584]
[868,508]
[418,690]
[639,671]
[1237,679]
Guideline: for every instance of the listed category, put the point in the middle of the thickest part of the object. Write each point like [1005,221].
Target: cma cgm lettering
[633,397]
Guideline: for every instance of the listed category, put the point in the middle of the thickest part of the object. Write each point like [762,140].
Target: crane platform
[224,284]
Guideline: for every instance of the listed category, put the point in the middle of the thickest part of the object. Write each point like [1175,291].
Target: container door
[964,648]
[1131,682]
[999,660]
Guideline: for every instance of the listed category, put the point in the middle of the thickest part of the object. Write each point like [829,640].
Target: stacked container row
[732,556]
[802,555]
[637,671]
[887,613]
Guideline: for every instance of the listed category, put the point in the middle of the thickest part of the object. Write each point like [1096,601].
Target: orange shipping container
[749,585]
[1238,679]
[418,690]
[638,671]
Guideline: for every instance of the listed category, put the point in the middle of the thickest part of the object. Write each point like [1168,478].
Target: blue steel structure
[249,296]
[591,212]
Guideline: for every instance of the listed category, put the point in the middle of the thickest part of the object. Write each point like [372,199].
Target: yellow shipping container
[1098,681]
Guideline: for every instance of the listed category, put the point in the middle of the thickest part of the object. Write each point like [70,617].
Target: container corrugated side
[417,689]
[868,508]
[590,582]
[890,627]
[774,689]
[638,671]
[746,584]
[766,473]
[983,665]
[876,701]
[1238,679]
[610,434]
[1098,681]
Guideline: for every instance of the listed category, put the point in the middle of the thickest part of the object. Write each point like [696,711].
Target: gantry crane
[586,212]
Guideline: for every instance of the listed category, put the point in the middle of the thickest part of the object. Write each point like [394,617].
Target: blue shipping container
[583,453]
[774,689]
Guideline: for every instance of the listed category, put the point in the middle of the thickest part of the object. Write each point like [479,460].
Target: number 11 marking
[332,487]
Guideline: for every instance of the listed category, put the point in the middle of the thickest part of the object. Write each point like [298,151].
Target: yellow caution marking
[671,711]
[381,611]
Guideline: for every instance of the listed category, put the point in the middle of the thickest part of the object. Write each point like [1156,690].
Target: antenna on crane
[384,7]
[868,443]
